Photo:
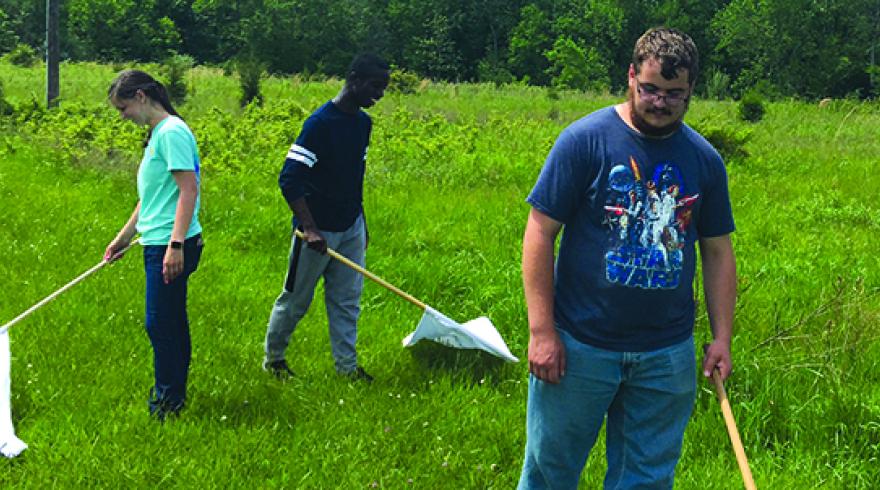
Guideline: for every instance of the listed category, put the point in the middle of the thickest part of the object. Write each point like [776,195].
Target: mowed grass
[448,173]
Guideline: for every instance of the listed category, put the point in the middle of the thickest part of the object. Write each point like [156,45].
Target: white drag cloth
[10,445]
[475,334]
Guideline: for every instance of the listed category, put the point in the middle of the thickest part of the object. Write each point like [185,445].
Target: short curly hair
[366,65]
[672,48]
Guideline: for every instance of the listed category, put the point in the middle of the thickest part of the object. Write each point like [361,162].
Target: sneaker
[279,369]
[358,374]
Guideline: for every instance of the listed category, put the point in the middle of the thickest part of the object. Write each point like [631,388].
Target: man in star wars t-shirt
[633,189]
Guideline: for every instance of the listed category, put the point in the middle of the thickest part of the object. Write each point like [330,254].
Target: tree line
[802,48]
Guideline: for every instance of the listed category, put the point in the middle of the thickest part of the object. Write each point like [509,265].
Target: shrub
[5,107]
[491,70]
[31,110]
[22,55]
[175,70]
[403,81]
[751,107]
[717,85]
[250,75]
[728,140]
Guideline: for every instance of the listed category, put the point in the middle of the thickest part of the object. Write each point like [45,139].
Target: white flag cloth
[10,445]
[475,334]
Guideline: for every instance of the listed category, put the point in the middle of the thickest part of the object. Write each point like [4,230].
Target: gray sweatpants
[342,294]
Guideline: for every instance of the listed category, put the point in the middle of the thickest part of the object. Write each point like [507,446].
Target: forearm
[546,351]
[719,286]
[537,266]
[129,230]
[303,214]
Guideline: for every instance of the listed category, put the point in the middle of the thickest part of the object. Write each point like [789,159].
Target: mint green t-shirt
[172,147]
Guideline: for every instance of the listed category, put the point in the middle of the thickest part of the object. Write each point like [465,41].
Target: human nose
[659,100]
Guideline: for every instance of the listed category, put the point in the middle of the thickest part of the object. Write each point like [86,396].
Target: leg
[647,420]
[164,328]
[563,420]
[192,250]
[304,269]
[342,296]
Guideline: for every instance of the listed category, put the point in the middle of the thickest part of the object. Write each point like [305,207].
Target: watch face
[176,245]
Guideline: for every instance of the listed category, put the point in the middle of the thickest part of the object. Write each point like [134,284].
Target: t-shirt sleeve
[301,158]
[556,192]
[176,149]
[716,215]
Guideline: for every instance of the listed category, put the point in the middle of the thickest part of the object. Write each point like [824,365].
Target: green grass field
[449,170]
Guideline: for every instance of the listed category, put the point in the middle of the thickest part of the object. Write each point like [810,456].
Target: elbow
[292,193]
[189,190]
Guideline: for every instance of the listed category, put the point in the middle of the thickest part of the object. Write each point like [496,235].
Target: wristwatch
[176,245]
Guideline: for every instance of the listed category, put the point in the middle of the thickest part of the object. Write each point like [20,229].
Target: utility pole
[53,52]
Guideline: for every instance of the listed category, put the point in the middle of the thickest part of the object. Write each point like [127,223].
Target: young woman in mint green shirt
[166,217]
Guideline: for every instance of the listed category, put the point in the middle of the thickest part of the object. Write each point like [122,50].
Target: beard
[649,129]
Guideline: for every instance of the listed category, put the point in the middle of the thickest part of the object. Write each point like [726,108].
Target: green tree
[530,39]
[596,27]
[119,30]
[572,66]
[8,38]
[433,54]
[796,47]
[28,20]
[294,35]
[567,30]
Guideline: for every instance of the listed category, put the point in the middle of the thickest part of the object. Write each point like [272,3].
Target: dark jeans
[168,325]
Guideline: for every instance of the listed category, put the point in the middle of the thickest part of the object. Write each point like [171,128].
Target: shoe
[164,413]
[358,374]
[162,409]
[279,369]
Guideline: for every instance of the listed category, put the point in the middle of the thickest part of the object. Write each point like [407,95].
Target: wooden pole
[741,460]
[64,288]
[382,282]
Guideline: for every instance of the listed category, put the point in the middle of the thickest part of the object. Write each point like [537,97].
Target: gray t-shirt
[632,208]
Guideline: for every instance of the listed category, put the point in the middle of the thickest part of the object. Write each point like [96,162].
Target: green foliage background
[450,166]
[803,48]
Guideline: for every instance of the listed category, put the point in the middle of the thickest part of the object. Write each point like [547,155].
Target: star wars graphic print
[648,222]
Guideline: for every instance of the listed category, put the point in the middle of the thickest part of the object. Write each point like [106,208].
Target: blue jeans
[168,325]
[648,398]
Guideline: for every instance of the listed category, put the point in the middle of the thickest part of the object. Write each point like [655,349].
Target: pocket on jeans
[153,256]
[681,364]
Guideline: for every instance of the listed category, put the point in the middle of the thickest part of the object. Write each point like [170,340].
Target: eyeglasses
[652,94]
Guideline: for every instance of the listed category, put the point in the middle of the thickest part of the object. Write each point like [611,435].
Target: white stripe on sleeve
[302,155]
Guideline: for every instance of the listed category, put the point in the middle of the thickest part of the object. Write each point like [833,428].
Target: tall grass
[448,172]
